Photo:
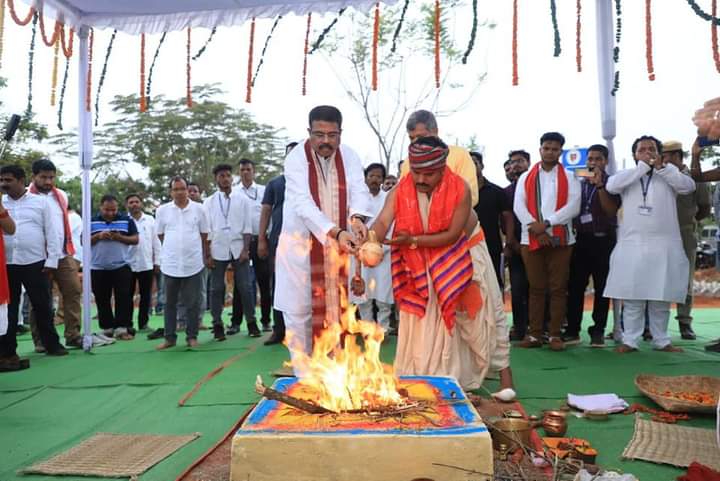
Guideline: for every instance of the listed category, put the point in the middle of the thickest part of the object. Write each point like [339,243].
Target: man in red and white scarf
[326,201]
[7,226]
[547,198]
[67,276]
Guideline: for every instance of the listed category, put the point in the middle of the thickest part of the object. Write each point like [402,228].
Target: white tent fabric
[156,16]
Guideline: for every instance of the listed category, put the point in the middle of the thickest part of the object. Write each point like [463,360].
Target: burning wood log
[300,404]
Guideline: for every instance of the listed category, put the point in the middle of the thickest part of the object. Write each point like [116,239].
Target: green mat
[128,387]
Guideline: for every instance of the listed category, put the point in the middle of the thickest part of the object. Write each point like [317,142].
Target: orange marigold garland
[143,99]
[515,44]
[648,40]
[437,43]
[67,45]
[188,69]
[578,40]
[248,94]
[13,14]
[307,42]
[376,39]
[54,77]
[88,86]
[43,35]
[713,27]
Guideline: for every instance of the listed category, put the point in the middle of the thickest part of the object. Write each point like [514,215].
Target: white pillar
[606,75]
[85,141]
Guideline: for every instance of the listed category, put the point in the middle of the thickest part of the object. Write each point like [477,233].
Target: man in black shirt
[493,210]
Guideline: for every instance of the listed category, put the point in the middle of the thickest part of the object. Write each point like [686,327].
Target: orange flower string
[143,99]
[67,47]
[88,86]
[248,94]
[54,76]
[43,35]
[515,44]
[648,40]
[713,26]
[13,14]
[307,42]
[188,87]
[437,43]
[376,38]
[578,40]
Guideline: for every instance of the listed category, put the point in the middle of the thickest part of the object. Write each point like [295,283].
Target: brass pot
[554,423]
[510,432]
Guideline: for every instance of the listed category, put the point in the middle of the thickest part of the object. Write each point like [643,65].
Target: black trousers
[519,290]
[37,286]
[591,257]
[143,282]
[117,283]
[278,320]
[495,251]
[263,274]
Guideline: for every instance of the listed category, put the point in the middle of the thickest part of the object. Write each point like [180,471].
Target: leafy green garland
[207,42]
[556,30]
[102,76]
[325,31]
[152,67]
[61,103]
[399,26]
[616,49]
[31,58]
[262,54]
[702,14]
[473,33]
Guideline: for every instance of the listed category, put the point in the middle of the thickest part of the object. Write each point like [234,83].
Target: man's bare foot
[671,348]
[192,343]
[624,349]
[165,345]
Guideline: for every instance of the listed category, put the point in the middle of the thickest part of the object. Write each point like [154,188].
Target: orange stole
[449,267]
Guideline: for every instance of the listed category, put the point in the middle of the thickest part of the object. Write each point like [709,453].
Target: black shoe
[158,333]
[219,333]
[275,338]
[571,340]
[393,331]
[75,342]
[21,329]
[266,327]
[687,333]
[58,351]
[646,335]
[597,340]
[713,347]
[233,329]
[253,331]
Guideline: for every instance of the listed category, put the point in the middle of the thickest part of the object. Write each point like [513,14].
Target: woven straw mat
[112,455]
[672,444]
[652,386]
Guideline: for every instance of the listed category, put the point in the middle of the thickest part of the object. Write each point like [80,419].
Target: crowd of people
[451,240]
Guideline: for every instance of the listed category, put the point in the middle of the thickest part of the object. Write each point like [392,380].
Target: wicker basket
[650,385]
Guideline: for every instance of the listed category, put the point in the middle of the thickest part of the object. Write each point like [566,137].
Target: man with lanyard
[325,209]
[596,237]
[229,217]
[648,268]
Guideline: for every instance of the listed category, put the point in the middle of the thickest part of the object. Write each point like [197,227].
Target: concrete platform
[448,443]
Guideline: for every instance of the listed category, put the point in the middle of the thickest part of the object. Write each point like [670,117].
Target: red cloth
[69,247]
[534,202]
[317,252]
[449,267]
[699,472]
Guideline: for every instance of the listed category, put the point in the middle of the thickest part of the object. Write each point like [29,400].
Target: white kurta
[301,219]
[648,262]
[378,280]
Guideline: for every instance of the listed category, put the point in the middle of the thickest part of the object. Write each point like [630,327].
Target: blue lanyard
[646,187]
[224,213]
[588,204]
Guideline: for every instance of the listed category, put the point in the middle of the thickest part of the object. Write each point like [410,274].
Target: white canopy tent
[155,16]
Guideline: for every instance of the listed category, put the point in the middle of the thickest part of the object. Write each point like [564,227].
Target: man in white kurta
[648,266]
[305,219]
[378,281]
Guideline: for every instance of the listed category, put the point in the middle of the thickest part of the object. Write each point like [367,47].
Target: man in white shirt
[648,267]
[229,217]
[32,253]
[144,257]
[254,193]
[183,229]
[67,276]
[547,198]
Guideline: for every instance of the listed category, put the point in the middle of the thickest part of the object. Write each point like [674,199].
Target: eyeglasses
[325,135]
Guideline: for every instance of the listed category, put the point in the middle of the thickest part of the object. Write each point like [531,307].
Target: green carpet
[129,387]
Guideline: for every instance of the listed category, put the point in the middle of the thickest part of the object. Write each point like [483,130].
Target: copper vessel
[554,423]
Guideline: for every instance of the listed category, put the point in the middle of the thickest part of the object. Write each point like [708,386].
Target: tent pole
[85,156]
[606,75]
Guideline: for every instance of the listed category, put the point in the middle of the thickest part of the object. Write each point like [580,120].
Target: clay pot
[554,423]
[371,253]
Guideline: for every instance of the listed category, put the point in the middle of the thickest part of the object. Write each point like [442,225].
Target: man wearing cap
[451,319]
[648,269]
[691,208]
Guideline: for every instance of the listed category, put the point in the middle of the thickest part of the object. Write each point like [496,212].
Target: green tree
[172,139]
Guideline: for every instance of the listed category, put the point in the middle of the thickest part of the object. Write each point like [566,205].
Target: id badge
[645,210]
[586,218]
